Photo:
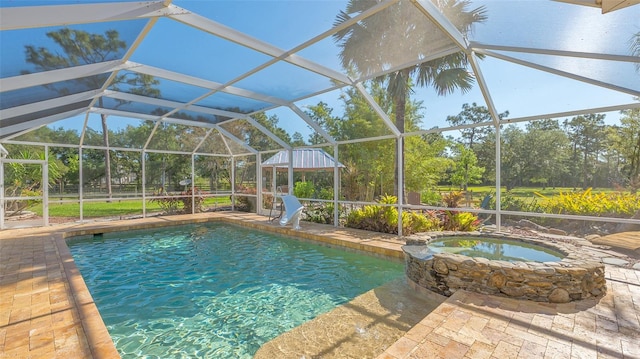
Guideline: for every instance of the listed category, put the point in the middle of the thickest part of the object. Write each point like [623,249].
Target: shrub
[385,219]
[245,203]
[169,205]
[509,202]
[460,221]
[431,198]
[186,198]
[452,199]
[180,203]
[615,204]
[303,189]
[321,213]
[325,193]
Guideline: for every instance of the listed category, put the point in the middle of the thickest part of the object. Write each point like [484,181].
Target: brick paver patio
[471,325]
[46,310]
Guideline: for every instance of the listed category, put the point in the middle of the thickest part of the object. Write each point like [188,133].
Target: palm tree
[375,42]
[635,48]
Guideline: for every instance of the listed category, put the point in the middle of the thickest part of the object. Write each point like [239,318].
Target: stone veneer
[575,277]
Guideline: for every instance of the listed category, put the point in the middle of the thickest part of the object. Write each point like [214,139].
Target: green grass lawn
[114,208]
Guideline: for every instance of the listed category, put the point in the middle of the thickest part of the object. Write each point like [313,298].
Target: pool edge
[98,338]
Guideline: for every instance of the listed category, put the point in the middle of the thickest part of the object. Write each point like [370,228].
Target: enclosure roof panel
[221,65]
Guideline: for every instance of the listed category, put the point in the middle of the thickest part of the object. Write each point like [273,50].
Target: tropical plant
[384,218]
[615,204]
[452,199]
[460,221]
[374,42]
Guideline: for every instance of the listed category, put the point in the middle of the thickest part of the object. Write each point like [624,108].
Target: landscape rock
[559,295]
[529,224]
[557,231]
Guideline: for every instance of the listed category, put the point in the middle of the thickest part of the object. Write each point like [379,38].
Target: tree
[627,144]
[545,149]
[322,115]
[372,44]
[80,48]
[635,48]
[465,169]
[586,134]
[480,140]
[513,160]
[473,114]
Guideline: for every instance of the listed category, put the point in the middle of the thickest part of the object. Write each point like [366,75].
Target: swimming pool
[215,290]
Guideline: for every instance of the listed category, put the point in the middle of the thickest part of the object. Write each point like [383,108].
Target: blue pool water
[215,290]
[496,249]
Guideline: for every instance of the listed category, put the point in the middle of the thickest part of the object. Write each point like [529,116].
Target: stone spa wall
[573,278]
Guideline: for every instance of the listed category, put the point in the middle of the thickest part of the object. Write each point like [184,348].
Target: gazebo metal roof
[306,159]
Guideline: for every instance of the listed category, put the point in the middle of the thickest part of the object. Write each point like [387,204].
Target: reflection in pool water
[495,249]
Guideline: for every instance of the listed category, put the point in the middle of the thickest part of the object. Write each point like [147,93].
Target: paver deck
[46,310]
[626,242]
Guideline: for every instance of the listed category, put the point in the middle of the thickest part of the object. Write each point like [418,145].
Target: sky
[520,90]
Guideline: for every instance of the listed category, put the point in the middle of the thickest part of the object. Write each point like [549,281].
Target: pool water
[215,290]
[495,249]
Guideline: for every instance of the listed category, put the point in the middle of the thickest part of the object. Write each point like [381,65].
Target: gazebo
[303,160]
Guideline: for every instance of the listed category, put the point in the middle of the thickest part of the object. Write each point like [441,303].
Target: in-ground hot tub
[542,270]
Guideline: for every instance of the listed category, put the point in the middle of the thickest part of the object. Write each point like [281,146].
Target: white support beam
[47,104]
[224,141]
[313,124]
[430,10]
[139,116]
[268,133]
[530,50]
[13,18]
[176,106]
[605,5]
[367,139]
[195,81]
[450,128]
[573,113]
[17,129]
[436,55]
[71,73]
[204,138]
[225,32]
[243,39]
[180,121]
[498,179]
[560,72]
[214,111]
[317,68]
[484,88]
[235,139]
[374,105]
[171,104]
